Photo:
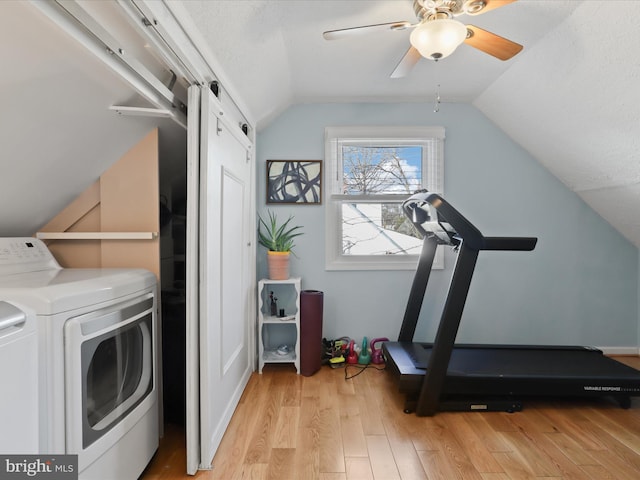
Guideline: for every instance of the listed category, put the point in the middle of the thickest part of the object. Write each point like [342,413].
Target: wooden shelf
[97,235]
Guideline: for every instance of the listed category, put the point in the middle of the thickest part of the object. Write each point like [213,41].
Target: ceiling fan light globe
[436,39]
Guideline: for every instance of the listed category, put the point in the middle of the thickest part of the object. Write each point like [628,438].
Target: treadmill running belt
[523,361]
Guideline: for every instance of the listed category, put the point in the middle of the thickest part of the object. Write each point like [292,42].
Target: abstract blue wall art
[294,181]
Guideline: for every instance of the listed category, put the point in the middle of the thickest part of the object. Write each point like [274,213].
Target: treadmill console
[427,221]
[434,217]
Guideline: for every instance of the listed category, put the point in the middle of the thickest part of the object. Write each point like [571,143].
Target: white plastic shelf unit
[279,337]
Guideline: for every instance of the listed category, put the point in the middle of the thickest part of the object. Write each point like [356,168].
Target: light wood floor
[290,427]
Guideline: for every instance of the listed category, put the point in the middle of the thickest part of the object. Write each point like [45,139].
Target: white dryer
[97,380]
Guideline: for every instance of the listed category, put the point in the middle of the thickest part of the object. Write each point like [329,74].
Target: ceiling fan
[437,34]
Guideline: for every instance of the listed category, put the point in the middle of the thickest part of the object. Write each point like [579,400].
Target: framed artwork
[294,181]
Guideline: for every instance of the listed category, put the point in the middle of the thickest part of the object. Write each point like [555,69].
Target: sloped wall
[124,199]
[579,286]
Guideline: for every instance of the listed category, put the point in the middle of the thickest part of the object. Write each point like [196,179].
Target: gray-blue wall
[579,286]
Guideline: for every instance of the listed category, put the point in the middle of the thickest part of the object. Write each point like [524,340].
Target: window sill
[409,262]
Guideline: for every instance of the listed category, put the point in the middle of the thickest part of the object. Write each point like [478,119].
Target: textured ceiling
[583,121]
[570,97]
[274,52]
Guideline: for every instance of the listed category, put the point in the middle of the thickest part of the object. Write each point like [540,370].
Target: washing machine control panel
[24,254]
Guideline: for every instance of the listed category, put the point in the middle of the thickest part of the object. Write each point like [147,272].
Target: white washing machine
[19,380]
[96,339]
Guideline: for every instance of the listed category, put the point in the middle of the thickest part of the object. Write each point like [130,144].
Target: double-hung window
[370,171]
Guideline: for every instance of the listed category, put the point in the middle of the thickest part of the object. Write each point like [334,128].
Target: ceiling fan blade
[349,32]
[491,43]
[407,63]
[489,5]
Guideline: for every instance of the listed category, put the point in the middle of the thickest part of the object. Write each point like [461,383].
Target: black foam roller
[311,304]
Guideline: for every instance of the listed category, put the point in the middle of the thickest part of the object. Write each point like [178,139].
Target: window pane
[377,229]
[373,170]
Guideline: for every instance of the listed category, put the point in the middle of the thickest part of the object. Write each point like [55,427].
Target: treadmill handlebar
[510,243]
[433,215]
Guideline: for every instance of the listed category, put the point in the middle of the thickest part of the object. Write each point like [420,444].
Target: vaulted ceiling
[570,97]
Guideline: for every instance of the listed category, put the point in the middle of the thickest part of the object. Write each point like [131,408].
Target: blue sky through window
[381,169]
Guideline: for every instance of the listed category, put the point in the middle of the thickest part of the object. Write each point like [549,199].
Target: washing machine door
[109,367]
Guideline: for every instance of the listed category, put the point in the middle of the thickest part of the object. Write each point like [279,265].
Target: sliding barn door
[192,264]
[226,263]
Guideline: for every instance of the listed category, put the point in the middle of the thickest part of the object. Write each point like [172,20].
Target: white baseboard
[620,350]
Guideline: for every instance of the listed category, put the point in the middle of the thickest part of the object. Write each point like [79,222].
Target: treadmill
[444,375]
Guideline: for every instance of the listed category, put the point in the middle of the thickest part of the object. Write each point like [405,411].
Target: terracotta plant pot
[278,263]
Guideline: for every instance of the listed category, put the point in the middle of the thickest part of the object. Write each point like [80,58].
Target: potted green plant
[279,242]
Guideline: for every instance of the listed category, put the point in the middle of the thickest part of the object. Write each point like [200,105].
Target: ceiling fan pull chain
[436,103]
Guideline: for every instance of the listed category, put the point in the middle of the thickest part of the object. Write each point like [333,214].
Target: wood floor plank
[574,424]
[170,459]
[567,469]
[286,427]
[427,438]
[474,447]
[616,447]
[454,453]
[281,464]
[333,476]
[398,428]
[527,446]
[292,390]
[631,360]
[598,472]
[312,386]
[495,476]
[330,445]
[344,386]
[533,420]
[253,471]
[440,465]
[358,468]
[613,463]
[486,431]
[571,449]
[381,458]
[626,432]
[404,453]
[309,412]
[307,461]
[370,407]
[514,465]
[290,427]
[499,421]
[236,439]
[267,413]
[351,428]
[627,419]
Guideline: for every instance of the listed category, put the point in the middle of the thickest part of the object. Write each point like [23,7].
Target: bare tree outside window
[379,228]
[376,170]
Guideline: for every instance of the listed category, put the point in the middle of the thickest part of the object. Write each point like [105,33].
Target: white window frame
[431,138]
